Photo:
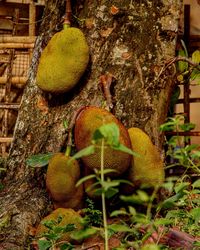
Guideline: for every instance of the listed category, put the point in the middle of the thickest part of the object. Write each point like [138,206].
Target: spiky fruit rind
[63,61]
[90,119]
[69,216]
[148,167]
[62,175]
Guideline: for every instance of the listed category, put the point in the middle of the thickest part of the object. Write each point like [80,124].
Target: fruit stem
[103,198]
[106,81]
[68,13]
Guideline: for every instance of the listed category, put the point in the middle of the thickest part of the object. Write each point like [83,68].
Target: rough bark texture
[133,45]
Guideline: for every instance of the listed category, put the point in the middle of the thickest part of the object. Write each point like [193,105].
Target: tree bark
[132,42]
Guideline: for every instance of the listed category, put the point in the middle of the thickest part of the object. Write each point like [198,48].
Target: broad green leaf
[110,132]
[84,152]
[196,184]
[44,244]
[196,56]
[163,221]
[187,126]
[151,246]
[118,212]
[143,196]
[66,246]
[134,199]
[195,75]
[119,228]
[40,160]
[84,233]
[195,212]
[181,65]
[124,149]
[132,211]
[111,192]
[180,187]
[88,177]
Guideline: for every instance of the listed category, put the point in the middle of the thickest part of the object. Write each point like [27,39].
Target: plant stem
[103,198]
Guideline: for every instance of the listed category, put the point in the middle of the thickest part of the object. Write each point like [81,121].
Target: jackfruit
[68,216]
[147,168]
[75,202]
[90,119]
[63,61]
[62,175]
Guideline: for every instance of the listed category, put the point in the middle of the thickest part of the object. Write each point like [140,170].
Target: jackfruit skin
[75,202]
[61,177]
[148,167]
[63,61]
[69,216]
[90,119]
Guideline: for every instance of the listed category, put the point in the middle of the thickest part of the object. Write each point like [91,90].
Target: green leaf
[196,184]
[187,126]
[40,160]
[66,246]
[196,56]
[163,221]
[195,212]
[88,177]
[118,212]
[84,233]
[180,187]
[84,152]
[181,65]
[119,228]
[110,132]
[121,147]
[44,244]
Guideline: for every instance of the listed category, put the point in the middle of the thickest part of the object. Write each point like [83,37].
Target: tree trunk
[132,40]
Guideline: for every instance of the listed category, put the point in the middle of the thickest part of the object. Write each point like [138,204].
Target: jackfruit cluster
[63,61]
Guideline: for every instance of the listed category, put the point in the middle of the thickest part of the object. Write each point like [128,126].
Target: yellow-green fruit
[63,61]
[62,175]
[69,216]
[148,167]
[75,202]
[90,119]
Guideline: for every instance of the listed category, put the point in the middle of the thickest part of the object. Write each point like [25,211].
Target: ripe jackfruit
[148,167]
[90,119]
[63,61]
[62,175]
[68,215]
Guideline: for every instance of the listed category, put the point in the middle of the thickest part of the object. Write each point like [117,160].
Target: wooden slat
[39,2]
[191,100]
[190,133]
[19,81]
[9,106]
[6,139]
[16,45]
[17,39]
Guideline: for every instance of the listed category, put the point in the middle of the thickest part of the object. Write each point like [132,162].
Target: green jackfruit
[69,216]
[63,61]
[148,167]
[90,119]
[61,177]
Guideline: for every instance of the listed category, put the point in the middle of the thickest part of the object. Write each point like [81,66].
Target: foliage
[50,239]
[143,213]
[188,70]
